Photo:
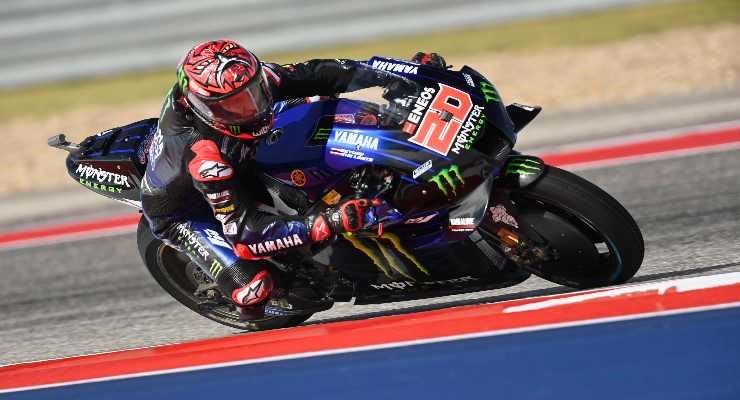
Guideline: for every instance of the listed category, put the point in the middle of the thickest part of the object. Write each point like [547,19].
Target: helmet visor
[250,104]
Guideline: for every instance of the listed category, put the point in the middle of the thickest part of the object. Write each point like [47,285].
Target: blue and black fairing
[434,187]
[323,150]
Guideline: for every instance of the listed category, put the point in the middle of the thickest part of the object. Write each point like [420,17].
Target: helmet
[225,86]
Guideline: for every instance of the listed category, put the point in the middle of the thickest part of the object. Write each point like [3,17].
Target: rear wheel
[184,281]
[593,240]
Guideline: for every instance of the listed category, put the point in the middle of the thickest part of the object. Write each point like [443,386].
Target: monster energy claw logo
[489,92]
[387,261]
[216,268]
[235,129]
[182,79]
[322,134]
[523,166]
[448,177]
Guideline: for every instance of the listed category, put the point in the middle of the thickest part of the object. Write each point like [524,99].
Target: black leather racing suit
[197,194]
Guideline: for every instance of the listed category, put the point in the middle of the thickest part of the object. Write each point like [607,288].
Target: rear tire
[170,269]
[601,243]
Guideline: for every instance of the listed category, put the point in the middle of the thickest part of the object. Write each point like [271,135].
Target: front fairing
[481,90]
[445,133]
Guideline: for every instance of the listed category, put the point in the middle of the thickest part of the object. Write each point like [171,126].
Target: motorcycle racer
[198,193]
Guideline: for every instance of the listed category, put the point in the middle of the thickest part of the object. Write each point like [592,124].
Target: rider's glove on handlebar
[432,59]
[350,216]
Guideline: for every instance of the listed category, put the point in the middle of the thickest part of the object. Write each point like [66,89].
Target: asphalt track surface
[95,295]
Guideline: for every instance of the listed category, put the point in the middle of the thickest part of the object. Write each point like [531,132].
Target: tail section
[111,163]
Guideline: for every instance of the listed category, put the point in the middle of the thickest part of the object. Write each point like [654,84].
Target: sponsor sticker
[401,285]
[439,125]
[356,140]
[331,198]
[448,180]
[225,210]
[100,187]
[216,268]
[230,229]
[214,169]
[156,146]
[298,177]
[274,245]
[420,107]
[144,148]
[262,131]
[355,155]
[421,169]
[489,92]
[396,66]
[218,195]
[215,238]
[462,224]
[468,79]
[319,137]
[189,240]
[499,214]
[470,130]
[380,251]
[99,175]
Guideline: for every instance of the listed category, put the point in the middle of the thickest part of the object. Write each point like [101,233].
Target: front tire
[597,241]
[177,275]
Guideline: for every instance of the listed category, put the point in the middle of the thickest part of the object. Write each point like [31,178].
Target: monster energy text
[100,186]
[190,241]
[102,176]
[401,285]
[470,131]
[448,180]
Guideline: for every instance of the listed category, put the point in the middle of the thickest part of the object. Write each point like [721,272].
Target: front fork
[519,243]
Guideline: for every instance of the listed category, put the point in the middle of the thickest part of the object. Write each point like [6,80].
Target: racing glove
[431,59]
[350,216]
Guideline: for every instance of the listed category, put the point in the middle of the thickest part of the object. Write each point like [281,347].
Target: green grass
[585,29]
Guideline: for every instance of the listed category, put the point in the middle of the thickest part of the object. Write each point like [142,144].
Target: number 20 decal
[442,121]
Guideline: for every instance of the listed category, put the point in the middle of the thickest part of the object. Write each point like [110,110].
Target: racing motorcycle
[461,211]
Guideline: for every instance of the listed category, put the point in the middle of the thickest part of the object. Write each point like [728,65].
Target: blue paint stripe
[415,147]
[688,356]
[129,138]
[97,153]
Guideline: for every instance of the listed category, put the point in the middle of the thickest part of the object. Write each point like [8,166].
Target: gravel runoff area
[676,62]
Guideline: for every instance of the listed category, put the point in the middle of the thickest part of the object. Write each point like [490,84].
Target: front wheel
[184,281]
[592,240]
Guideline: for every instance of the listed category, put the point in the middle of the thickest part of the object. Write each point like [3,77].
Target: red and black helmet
[225,86]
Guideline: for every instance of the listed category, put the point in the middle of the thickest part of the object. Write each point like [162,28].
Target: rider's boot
[263,296]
